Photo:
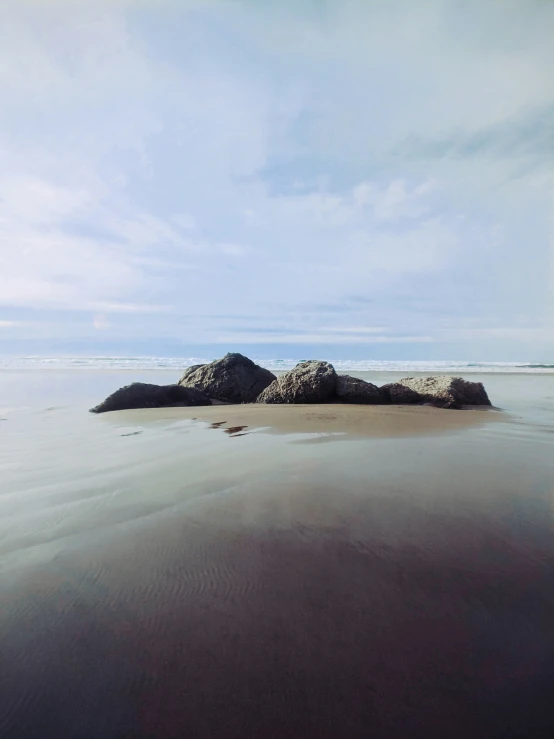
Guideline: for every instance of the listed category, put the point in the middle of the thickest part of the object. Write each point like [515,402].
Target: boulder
[447,392]
[396,393]
[233,379]
[143,395]
[353,390]
[308,382]
[188,372]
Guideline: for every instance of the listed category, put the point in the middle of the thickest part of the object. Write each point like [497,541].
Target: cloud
[40,264]
[511,333]
[319,338]
[217,172]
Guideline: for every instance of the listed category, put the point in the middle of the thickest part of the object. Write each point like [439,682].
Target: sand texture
[333,418]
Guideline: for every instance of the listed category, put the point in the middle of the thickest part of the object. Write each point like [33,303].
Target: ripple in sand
[11,712]
[219,579]
[218,570]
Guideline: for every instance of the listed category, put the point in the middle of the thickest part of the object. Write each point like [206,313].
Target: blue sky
[350,178]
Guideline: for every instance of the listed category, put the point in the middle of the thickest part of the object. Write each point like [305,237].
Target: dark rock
[447,392]
[308,382]
[143,395]
[233,379]
[396,393]
[353,390]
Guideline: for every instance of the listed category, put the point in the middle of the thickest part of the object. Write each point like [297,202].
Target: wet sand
[329,418]
[162,578]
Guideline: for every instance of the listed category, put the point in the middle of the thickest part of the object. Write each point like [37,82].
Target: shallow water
[165,579]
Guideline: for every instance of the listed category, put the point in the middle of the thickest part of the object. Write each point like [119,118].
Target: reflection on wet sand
[305,611]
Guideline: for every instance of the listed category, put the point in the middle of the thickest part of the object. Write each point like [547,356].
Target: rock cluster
[236,379]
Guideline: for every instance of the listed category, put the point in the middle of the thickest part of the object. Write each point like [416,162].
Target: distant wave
[538,366]
[342,365]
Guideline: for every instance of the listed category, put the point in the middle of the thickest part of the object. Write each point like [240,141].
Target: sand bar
[350,420]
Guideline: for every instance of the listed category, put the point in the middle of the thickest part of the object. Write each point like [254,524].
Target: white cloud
[37,202]
[523,334]
[319,338]
[420,68]
[290,160]
[396,201]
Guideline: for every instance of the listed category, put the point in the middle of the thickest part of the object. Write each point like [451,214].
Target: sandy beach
[328,419]
[161,577]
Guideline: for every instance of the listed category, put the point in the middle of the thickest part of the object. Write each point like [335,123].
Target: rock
[189,371]
[233,379]
[447,392]
[308,382]
[396,393]
[143,395]
[353,390]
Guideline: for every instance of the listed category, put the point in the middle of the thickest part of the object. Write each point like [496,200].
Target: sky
[337,178]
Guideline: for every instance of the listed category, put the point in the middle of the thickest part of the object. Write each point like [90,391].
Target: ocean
[275,365]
